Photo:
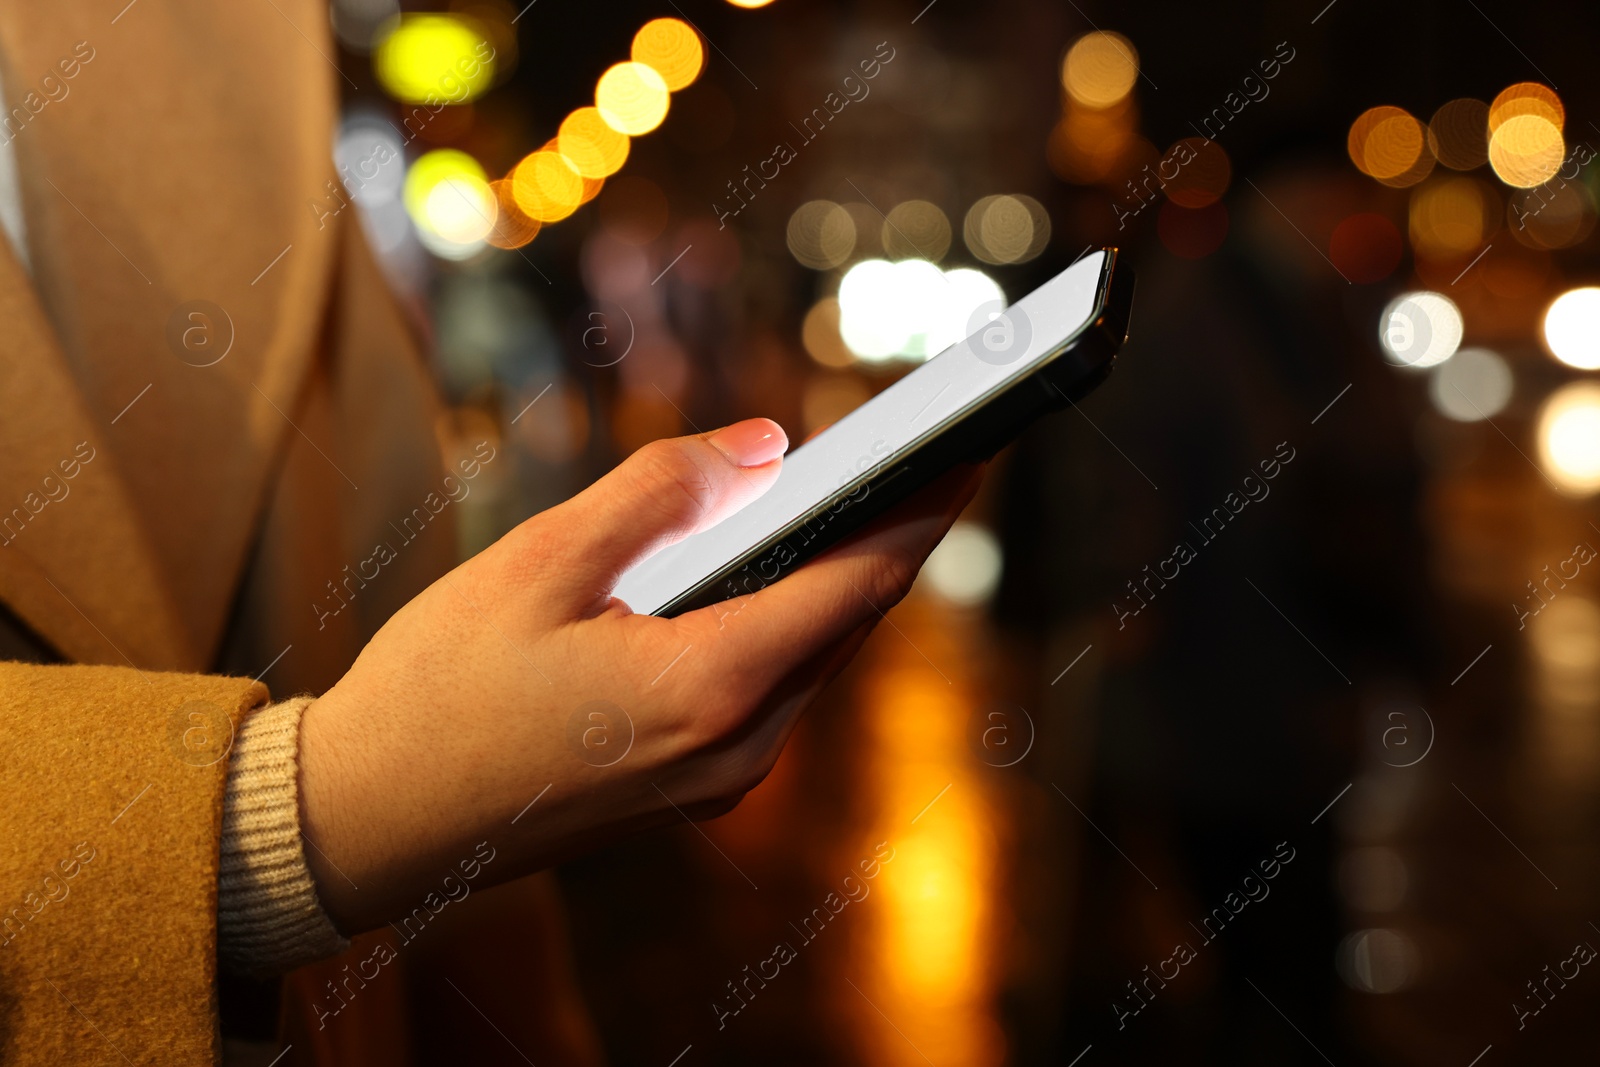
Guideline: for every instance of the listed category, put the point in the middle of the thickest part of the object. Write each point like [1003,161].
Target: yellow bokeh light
[1572,328]
[1569,438]
[429,171]
[546,187]
[1526,150]
[1100,69]
[749,4]
[433,59]
[632,98]
[1527,98]
[594,149]
[672,49]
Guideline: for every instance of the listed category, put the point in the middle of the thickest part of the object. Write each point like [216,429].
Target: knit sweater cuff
[268,917]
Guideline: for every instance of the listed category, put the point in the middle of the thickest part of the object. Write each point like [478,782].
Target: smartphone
[1045,351]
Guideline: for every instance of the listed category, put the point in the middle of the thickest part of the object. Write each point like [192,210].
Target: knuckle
[531,549]
[889,577]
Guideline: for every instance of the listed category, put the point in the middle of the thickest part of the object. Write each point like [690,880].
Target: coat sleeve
[111,795]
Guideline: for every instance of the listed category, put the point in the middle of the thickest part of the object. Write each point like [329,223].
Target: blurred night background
[1322,787]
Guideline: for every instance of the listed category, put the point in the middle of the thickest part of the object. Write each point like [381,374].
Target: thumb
[661,494]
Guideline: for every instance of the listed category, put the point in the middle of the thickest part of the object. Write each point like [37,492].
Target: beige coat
[178,484]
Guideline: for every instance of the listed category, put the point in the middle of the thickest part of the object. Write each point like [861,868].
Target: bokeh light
[672,49]
[830,397]
[513,227]
[1100,69]
[819,333]
[868,221]
[1365,248]
[1203,175]
[546,186]
[593,147]
[1420,329]
[370,158]
[632,98]
[432,59]
[1472,385]
[1006,229]
[1097,144]
[916,228]
[431,169]
[357,23]
[965,567]
[1569,438]
[1377,961]
[1572,328]
[1526,98]
[1452,216]
[821,234]
[910,308]
[1389,144]
[1458,134]
[1526,150]
[1554,216]
[450,203]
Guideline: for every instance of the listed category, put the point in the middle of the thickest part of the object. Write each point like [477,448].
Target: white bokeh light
[1572,328]
[1420,329]
[1475,384]
[965,567]
[1569,438]
[1377,961]
[370,158]
[909,309]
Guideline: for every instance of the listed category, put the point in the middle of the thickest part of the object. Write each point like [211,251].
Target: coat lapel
[180,273]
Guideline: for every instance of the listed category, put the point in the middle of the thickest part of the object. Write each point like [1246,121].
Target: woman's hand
[518,675]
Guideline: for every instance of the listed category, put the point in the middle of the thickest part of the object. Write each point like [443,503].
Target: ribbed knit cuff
[268,917]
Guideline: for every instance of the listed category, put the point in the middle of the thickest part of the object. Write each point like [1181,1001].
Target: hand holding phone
[1045,351]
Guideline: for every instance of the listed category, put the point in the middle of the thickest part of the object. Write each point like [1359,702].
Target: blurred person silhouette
[219,462]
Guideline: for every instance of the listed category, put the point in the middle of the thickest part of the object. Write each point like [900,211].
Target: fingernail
[752,442]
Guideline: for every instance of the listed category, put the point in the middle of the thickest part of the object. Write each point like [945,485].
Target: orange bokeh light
[1204,172]
[672,48]
[594,149]
[513,228]
[1526,98]
[546,187]
[1100,68]
[1389,144]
